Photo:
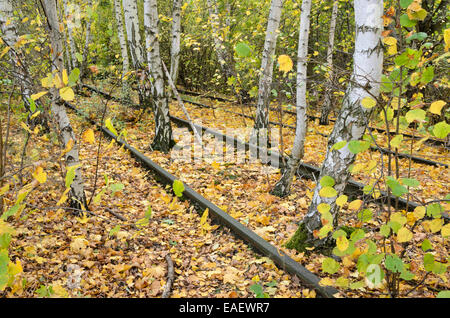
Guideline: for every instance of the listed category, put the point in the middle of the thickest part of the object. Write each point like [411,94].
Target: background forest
[224,148]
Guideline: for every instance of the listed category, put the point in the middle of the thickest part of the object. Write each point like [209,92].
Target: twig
[116,215]
[170,277]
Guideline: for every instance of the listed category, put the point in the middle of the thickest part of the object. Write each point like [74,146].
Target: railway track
[282,260]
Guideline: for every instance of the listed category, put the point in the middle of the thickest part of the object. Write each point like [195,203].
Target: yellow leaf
[67,94]
[69,147]
[341,200]
[404,235]
[323,208]
[327,192]
[38,95]
[355,205]
[24,126]
[215,165]
[65,78]
[64,197]
[447,39]
[40,175]
[83,219]
[419,212]
[88,136]
[4,189]
[35,114]
[434,225]
[285,63]
[436,107]
[390,40]
[368,102]
[4,51]
[445,230]
[57,82]
[342,243]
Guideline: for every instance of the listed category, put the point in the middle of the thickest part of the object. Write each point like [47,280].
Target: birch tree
[87,41]
[77,198]
[20,73]
[163,140]
[350,124]
[176,37]
[72,61]
[282,187]
[123,46]
[133,36]
[265,80]
[327,103]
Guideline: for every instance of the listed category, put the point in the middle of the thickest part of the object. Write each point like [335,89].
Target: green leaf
[365,215]
[327,181]
[420,36]
[406,275]
[357,146]
[178,188]
[397,189]
[405,3]
[79,57]
[426,245]
[415,115]
[374,274]
[406,22]
[73,76]
[339,145]
[5,239]
[393,263]
[330,266]
[242,50]
[148,213]
[114,230]
[434,210]
[386,84]
[385,230]
[413,183]
[427,75]
[441,130]
[443,294]
[70,175]
[428,262]
[116,187]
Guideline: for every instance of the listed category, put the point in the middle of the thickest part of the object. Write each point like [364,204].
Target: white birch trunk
[353,118]
[265,80]
[76,194]
[163,140]
[328,89]
[21,75]
[133,36]
[176,37]
[282,188]
[123,47]
[87,41]
[71,44]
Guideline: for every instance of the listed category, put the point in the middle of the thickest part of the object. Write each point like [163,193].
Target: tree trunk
[351,122]
[176,36]
[163,140]
[72,60]
[87,41]
[77,198]
[133,35]
[123,47]
[265,81]
[20,74]
[282,188]
[328,98]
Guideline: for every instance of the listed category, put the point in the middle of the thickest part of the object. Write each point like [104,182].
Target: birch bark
[176,37]
[72,49]
[282,188]
[123,47]
[327,104]
[265,80]
[133,36]
[163,140]
[352,120]
[21,75]
[77,198]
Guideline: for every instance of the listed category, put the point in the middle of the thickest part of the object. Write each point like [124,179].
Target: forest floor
[100,255]
[241,188]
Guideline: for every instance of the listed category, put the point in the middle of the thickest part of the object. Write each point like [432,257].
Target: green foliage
[178,188]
